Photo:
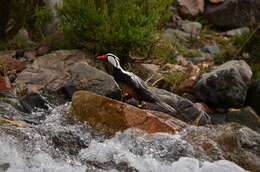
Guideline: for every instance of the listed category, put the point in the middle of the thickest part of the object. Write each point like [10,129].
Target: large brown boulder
[111,116]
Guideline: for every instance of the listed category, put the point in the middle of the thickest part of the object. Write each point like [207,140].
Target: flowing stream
[58,144]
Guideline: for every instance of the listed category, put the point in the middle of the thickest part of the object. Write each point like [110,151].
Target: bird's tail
[166,107]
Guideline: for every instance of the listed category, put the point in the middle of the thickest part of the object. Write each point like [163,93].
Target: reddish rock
[14,123]
[191,7]
[15,65]
[5,84]
[42,50]
[11,65]
[187,68]
[186,85]
[111,116]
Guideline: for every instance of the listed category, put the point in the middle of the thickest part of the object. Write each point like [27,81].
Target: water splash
[59,144]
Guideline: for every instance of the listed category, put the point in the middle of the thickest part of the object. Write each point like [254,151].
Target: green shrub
[248,42]
[164,50]
[113,25]
[13,14]
[175,78]
[253,45]
[35,22]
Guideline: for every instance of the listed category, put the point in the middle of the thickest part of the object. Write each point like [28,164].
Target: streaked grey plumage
[134,85]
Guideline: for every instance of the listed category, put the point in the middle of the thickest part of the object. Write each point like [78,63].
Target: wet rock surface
[60,142]
[32,101]
[230,141]
[226,86]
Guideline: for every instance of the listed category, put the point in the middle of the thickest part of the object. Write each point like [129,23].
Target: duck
[133,85]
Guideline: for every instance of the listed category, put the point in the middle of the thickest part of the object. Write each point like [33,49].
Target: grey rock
[63,140]
[150,72]
[232,142]
[218,118]
[4,166]
[9,110]
[181,35]
[32,101]
[82,76]
[253,96]
[170,34]
[233,13]
[245,116]
[226,86]
[238,31]
[65,71]
[211,49]
[167,147]
[193,28]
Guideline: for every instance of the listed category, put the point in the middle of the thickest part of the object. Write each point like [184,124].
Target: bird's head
[111,58]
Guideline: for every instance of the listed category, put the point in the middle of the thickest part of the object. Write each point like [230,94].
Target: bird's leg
[197,120]
[139,104]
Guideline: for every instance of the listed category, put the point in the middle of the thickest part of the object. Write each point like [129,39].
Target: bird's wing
[138,81]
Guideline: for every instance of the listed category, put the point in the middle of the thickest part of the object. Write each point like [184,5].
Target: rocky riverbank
[62,110]
[55,78]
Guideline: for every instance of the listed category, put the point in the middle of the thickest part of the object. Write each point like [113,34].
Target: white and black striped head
[111,58]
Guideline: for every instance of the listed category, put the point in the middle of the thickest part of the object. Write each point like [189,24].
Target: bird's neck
[118,73]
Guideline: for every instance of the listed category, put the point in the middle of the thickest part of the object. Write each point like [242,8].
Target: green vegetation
[13,14]
[186,51]
[17,14]
[113,25]
[163,50]
[3,66]
[34,23]
[252,44]
[175,78]
[204,70]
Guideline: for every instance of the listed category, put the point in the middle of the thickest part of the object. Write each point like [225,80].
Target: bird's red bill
[102,57]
